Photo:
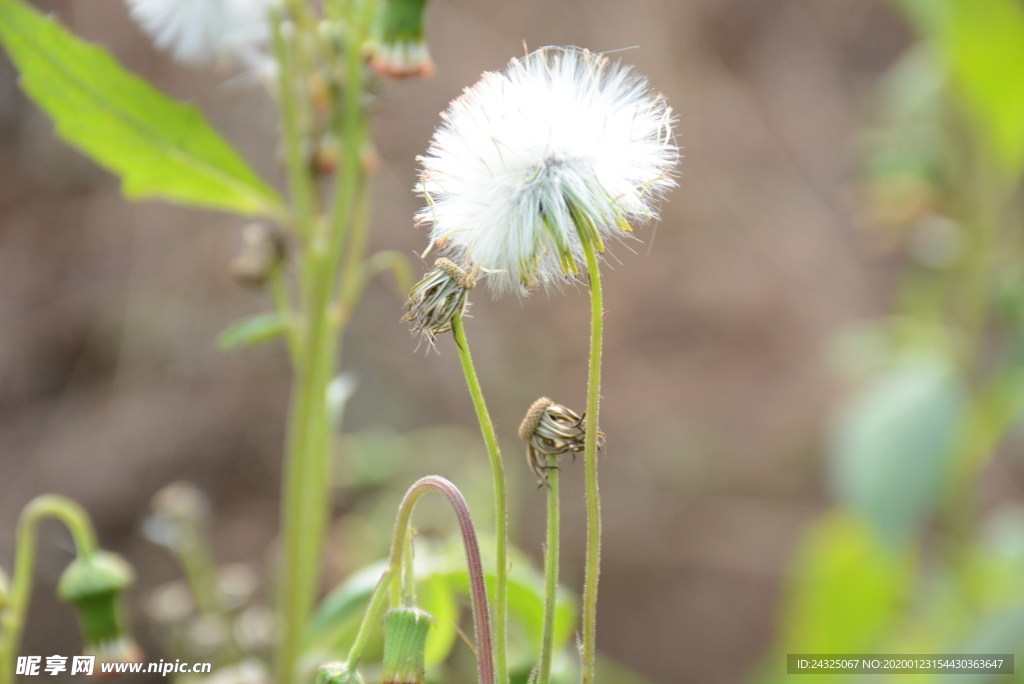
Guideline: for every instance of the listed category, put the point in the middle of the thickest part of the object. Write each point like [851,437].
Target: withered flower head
[262,250]
[549,430]
[437,299]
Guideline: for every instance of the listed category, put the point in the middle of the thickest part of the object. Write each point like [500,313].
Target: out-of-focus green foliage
[910,561]
[894,445]
[981,44]
[847,590]
[160,148]
[253,331]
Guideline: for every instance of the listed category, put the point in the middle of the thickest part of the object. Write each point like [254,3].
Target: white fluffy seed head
[562,139]
[200,32]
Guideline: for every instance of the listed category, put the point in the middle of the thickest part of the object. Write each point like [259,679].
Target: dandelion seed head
[200,32]
[561,137]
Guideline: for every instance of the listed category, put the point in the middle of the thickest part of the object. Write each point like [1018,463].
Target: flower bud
[437,299]
[93,585]
[549,430]
[337,673]
[405,644]
[401,50]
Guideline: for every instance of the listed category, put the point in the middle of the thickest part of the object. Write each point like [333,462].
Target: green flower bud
[93,585]
[405,644]
[401,50]
[337,673]
[5,590]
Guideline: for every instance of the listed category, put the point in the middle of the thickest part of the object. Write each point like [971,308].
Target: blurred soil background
[717,388]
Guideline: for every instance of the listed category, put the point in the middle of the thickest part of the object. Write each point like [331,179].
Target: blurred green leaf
[526,605]
[981,43]
[253,331]
[846,588]
[611,672]
[1001,633]
[436,597]
[160,147]
[343,603]
[892,450]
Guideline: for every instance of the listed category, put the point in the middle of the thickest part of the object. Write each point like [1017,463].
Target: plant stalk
[477,584]
[500,500]
[305,500]
[40,508]
[551,552]
[593,557]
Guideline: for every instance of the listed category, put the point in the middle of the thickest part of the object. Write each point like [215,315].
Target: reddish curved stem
[477,586]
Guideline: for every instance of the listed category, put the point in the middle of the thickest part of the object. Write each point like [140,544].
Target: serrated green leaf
[254,330]
[981,43]
[160,147]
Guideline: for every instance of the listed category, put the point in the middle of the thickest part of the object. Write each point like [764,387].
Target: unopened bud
[405,644]
[401,50]
[263,249]
[337,673]
[93,585]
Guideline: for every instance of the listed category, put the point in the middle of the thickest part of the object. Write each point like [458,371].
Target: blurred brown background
[716,391]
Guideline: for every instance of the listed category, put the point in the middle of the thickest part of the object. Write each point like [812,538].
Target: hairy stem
[551,552]
[593,559]
[78,522]
[500,500]
[477,584]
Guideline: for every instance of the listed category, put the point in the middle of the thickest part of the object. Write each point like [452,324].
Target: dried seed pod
[549,430]
[437,299]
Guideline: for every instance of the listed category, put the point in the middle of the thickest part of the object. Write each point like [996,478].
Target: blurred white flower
[563,140]
[200,32]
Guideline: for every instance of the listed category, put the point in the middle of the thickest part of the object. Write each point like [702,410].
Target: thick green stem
[77,521]
[593,561]
[500,501]
[305,501]
[551,551]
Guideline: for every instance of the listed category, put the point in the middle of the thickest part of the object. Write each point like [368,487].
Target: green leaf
[892,451]
[437,598]
[254,330]
[344,603]
[159,147]
[846,588]
[981,43]
[526,604]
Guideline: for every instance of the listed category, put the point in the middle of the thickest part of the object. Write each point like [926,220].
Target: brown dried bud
[437,299]
[549,430]
[263,249]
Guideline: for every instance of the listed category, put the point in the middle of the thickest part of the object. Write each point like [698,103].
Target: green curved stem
[477,584]
[40,508]
[370,618]
[593,560]
[500,500]
[551,552]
